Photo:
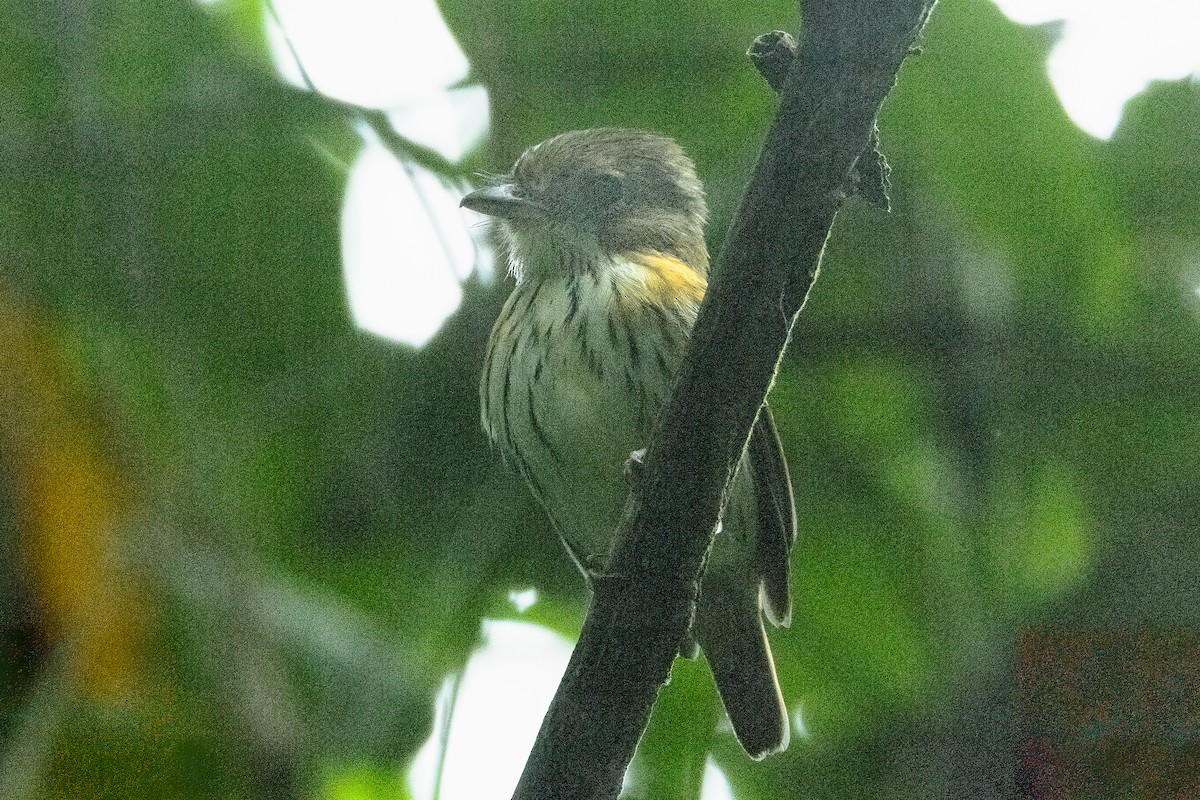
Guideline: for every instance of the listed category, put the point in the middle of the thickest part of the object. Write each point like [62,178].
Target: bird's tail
[730,631]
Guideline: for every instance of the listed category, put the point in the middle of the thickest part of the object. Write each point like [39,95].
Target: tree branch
[830,96]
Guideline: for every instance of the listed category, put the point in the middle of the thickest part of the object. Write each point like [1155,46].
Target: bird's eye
[603,189]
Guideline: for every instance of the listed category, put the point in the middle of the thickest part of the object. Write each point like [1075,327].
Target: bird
[603,231]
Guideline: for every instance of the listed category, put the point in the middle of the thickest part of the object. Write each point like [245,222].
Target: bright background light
[495,714]
[716,785]
[501,699]
[1110,51]
[406,246]
[376,53]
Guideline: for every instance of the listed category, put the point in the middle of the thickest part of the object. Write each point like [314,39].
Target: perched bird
[604,232]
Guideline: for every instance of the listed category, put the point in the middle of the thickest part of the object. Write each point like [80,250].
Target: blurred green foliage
[989,405]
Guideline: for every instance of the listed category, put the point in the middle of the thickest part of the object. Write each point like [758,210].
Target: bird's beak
[501,201]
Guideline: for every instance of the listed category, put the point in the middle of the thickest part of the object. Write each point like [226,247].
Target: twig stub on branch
[772,54]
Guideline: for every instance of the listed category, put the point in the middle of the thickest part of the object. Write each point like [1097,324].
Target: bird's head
[584,197]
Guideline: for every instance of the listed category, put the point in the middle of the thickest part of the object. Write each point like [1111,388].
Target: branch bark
[830,96]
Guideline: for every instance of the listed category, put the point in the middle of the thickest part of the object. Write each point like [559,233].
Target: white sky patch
[523,599]
[406,246]
[503,695]
[377,53]
[399,57]
[1110,51]
[450,122]
[715,785]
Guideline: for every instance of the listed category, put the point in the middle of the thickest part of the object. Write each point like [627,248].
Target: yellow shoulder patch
[666,279]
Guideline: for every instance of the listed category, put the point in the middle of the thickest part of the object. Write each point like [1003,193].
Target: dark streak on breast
[539,431]
[573,307]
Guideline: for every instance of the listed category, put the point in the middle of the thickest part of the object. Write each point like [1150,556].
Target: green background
[989,406]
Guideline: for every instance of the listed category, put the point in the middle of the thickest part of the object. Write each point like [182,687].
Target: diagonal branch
[830,96]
